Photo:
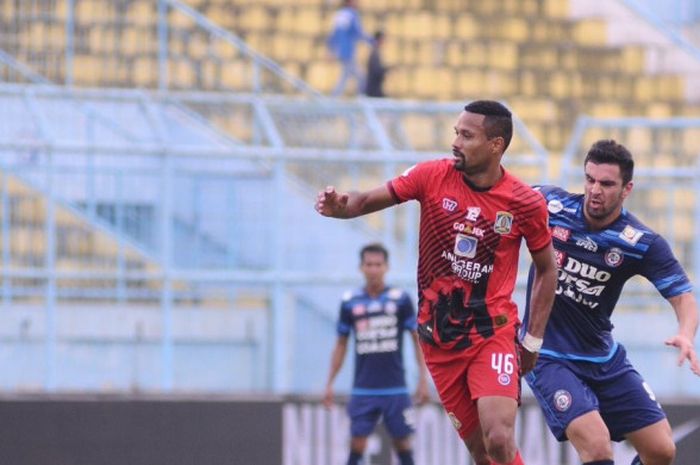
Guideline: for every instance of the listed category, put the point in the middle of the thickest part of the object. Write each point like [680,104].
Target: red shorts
[490,368]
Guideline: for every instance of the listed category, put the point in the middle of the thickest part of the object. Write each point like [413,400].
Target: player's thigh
[590,437]
[627,403]
[364,412]
[449,372]
[399,416]
[497,413]
[562,395]
[654,442]
[494,370]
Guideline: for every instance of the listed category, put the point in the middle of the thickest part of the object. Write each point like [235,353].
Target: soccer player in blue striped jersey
[378,315]
[588,390]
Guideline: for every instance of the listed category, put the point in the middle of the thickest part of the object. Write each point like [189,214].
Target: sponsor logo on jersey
[374,307]
[581,282]
[560,233]
[358,309]
[449,204]
[614,257]
[631,235]
[503,223]
[465,246]
[555,206]
[588,244]
[467,270]
[473,213]
[559,257]
[395,293]
[562,400]
[469,229]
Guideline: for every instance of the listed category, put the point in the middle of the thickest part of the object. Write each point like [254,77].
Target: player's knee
[598,450]
[663,454]
[592,445]
[500,445]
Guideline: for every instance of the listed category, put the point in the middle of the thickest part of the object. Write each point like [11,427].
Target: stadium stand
[566,55]
[202,133]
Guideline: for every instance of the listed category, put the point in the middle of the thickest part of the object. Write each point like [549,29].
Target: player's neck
[597,224]
[374,289]
[484,180]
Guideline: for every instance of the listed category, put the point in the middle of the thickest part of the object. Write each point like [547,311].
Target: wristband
[531,343]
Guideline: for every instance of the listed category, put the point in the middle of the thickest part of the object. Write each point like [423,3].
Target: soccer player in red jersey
[474,215]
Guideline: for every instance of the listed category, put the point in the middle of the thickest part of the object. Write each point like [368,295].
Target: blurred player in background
[378,314]
[474,215]
[588,390]
[347,31]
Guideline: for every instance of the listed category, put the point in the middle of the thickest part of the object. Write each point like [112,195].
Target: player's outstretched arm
[541,300]
[352,204]
[686,308]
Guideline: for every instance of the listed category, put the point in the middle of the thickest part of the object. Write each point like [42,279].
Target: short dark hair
[374,247]
[609,151]
[498,121]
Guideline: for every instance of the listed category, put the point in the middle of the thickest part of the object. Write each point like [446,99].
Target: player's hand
[422,396]
[527,360]
[331,203]
[686,351]
[328,397]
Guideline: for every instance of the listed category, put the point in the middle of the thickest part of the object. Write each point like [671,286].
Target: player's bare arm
[352,204]
[337,358]
[422,388]
[686,308]
[542,298]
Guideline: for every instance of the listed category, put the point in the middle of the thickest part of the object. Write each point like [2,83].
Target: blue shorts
[567,389]
[365,411]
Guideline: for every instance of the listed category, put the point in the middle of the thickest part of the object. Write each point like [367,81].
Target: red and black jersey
[468,250]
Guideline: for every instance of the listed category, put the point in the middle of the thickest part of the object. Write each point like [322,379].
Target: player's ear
[627,189]
[498,145]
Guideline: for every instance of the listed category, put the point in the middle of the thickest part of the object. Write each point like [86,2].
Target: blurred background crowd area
[159,161]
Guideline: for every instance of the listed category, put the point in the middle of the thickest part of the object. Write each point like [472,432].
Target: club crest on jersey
[358,309]
[503,223]
[631,235]
[504,379]
[561,233]
[465,246]
[614,257]
[449,204]
[390,307]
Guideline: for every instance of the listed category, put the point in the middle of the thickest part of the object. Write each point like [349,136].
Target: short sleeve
[664,271]
[411,183]
[344,325]
[536,225]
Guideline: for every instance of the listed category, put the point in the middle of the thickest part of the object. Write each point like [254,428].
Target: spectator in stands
[376,70]
[347,31]
[588,390]
[474,216]
[378,314]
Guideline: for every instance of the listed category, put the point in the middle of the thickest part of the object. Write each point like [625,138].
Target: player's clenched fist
[331,203]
